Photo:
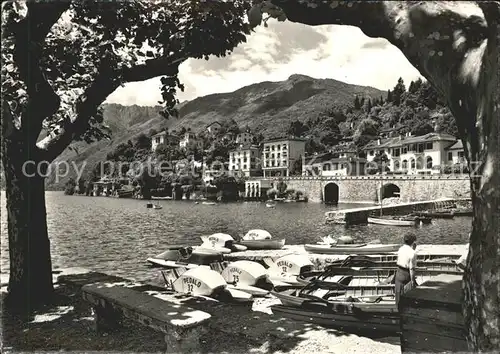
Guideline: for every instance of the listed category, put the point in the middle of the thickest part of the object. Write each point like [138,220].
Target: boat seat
[182,326]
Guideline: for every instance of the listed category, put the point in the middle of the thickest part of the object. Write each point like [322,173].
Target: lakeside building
[257,188]
[329,164]
[245,138]
[244,161]
[189,140]
[214,128]
[158,139]
[456,153]
[413,154]
[280,156]
[163,138]
[213,171]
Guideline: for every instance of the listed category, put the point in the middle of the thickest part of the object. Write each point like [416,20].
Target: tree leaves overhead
[118,42]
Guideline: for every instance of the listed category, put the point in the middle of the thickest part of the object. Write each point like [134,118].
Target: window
[278,155]
[244,167]
[420,148]
[461,154]
[450,156]
[413,147]
[396,165]
[428,163]
[412,163]
[327,167]
[429,146]
[405,150]
[284,146]
[372,152]
[405,164]
[397,152]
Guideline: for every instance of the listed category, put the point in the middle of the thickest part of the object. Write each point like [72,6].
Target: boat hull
[391,222]
[263,244]
[345,249]
[185,257]
[320,315]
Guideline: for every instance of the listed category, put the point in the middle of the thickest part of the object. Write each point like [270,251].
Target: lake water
[117,235]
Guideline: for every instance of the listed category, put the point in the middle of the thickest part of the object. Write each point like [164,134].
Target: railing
[375,178]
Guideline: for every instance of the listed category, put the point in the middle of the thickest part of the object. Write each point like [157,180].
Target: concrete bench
[181,325]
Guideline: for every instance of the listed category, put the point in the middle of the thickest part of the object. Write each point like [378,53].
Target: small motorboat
[359,248]
[208,203]
[161,198]
[185,257]
[271,204]
[157,206]
[203,282]
[221,242]
[390,221]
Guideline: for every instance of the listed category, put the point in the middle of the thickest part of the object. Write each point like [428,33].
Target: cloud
[343,53]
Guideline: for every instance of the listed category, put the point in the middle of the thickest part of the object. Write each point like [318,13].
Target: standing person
[406,264]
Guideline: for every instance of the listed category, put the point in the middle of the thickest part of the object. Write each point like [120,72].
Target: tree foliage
[82,52]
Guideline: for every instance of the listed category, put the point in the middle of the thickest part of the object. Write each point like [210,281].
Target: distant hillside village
[221,158]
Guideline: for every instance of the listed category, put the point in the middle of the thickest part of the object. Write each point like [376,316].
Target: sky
[275,53]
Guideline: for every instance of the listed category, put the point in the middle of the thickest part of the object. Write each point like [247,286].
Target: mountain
[266,107]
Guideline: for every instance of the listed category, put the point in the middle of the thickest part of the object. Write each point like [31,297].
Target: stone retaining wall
[367,188]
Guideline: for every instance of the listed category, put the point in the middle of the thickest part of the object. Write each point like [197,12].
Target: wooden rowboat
[362,248]
[358,320]
[391,222]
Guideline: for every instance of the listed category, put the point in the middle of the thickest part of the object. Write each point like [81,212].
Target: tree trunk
[30,282]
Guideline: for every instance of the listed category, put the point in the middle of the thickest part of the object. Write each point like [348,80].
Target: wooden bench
[431,316]
[181,325]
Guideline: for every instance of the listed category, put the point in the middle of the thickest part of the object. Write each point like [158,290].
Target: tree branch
[88,103]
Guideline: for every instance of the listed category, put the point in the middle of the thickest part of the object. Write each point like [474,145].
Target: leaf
[255,16]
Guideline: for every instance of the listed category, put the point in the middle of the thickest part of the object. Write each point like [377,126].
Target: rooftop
[283,139]
[458,145]
[245,147]
[160,134]
[209,125]
[329,157]
[399,141]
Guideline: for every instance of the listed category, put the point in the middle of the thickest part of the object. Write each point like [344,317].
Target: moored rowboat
[391,222]
[319,315]
[362,248]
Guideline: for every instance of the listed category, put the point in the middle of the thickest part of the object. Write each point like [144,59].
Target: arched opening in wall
[420,163]
[331,194]
[412,164]
[390,191]
[428,162]
[396,165]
